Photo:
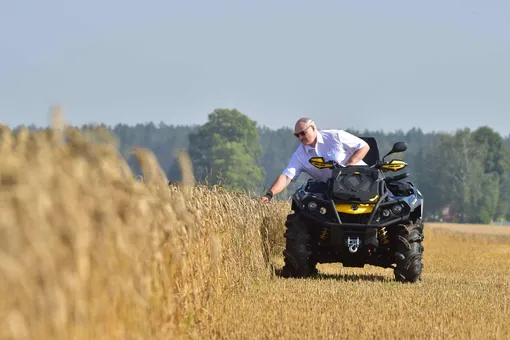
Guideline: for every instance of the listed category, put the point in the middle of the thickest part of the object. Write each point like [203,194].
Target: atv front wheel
[409,251]
[297,252]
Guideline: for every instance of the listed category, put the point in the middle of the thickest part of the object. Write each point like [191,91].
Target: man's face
[305,134]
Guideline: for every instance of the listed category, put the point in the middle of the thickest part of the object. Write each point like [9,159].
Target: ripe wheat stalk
[89,251]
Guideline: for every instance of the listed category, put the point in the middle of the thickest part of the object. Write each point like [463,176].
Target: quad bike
[359,216]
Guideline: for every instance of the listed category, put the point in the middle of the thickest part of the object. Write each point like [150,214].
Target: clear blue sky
[384,64]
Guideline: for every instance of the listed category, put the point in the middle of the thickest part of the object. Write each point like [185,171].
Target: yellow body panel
[394,165]
[320,163]
[347,208]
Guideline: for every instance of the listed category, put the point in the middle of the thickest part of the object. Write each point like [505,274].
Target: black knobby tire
[297,251]
[409,252]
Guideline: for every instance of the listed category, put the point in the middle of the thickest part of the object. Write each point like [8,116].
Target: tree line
[464,176]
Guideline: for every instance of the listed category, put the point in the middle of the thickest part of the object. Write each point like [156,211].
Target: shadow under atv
[344,277]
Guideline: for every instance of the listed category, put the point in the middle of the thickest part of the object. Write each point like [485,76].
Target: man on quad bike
[337,145]
[351,211]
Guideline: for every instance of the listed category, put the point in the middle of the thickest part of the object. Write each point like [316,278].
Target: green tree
[235,168]
[453,167]
[497,164]
[227,150]
[487,199]
[496,158]
[467,170]
[507,141]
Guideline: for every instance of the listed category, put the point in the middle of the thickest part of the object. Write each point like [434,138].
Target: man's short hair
[306,120]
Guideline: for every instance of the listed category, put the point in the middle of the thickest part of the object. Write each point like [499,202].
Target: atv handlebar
[336,165]
[393,165]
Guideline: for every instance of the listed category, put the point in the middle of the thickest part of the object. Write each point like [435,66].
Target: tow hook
[353,244]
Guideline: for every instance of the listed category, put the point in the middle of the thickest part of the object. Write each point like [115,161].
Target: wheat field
[89,252]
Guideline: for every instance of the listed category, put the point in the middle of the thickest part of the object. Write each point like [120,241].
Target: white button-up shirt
[338,145]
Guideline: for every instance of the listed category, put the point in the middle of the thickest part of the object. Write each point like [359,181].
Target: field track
[472,228]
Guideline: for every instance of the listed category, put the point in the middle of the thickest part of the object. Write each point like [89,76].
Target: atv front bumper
[316,220]
[343,235]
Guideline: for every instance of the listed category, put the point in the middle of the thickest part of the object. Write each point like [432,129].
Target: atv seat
[373,154]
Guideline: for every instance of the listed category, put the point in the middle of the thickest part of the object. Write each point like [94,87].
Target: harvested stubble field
[88,252]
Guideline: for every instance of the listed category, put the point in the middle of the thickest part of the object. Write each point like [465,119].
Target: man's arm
[279,184]
[358,155]
[352,142]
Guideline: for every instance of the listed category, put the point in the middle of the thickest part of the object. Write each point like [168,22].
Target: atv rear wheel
[297,250]
[409,251]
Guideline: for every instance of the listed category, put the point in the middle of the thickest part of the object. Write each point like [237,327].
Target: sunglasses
[302,133]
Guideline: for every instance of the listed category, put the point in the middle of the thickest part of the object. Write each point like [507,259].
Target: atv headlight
[397,209]
[312,205]
[322,210]
[385,213]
